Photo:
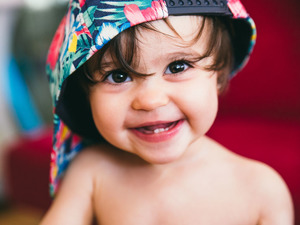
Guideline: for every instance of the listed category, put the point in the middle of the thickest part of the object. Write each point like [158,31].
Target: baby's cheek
[202,111]
[107,130]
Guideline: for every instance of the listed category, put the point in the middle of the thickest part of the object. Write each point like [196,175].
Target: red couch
[259,116]
[27,166]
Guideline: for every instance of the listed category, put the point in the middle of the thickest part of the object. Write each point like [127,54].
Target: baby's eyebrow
[191,55]
[107,64]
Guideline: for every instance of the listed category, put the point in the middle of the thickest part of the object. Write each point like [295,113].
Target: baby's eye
[117,77]
[177,67]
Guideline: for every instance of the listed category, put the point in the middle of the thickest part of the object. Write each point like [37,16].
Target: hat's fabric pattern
[237,9]
[250,48]
[86,28]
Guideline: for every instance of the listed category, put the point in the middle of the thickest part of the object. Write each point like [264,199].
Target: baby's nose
[149,98]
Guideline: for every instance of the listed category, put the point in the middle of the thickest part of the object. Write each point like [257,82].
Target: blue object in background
[21,101]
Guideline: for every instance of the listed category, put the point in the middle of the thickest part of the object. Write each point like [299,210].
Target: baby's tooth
[158,130]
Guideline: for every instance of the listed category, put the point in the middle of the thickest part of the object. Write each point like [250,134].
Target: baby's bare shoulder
[266,187]
[273,194]
[103,161]
[73,203]
[95,157]
[257,174]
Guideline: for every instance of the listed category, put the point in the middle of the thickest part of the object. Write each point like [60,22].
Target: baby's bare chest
[182,203]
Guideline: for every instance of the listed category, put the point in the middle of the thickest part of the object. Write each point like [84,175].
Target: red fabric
[270,83]
[27,166]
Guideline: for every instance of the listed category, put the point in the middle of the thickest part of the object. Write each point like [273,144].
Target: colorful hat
[86,28]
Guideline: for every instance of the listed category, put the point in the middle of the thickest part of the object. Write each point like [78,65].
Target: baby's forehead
[178,28]
[180,36]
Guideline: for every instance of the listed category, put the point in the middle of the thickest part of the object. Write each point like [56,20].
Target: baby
[135,88]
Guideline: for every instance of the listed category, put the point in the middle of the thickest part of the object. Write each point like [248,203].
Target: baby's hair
[124,47]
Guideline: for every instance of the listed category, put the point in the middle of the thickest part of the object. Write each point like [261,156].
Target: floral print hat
[85,29]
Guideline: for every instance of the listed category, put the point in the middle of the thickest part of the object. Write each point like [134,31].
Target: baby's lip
[155,123]
[158,124]
[158,131]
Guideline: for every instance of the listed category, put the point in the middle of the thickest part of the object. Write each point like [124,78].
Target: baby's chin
[160,161]
[161,156]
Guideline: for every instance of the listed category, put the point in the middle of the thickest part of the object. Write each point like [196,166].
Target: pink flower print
[237,9]
[160,9]
[136,16]
[53,166]
[56,44]
[148,14]
[76,140]
[133,14]
[81,2]
[83,30]
[62,135]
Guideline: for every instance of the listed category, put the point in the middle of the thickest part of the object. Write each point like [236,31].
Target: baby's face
[159,117]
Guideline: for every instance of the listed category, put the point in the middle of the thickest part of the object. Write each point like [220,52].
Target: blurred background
[259,115]
[27,28]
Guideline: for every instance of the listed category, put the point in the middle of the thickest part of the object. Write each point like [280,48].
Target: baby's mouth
[157,128]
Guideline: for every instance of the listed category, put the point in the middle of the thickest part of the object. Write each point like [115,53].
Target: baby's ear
[222,88]
[223,81]
[219,87]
